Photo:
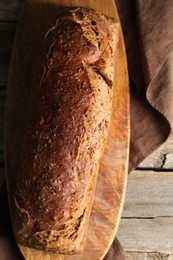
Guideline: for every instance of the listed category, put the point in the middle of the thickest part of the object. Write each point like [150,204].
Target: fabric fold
[148,35]
[155,32]
[159,92]
[116,252]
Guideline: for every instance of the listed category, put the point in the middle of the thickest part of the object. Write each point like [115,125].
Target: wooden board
[147,219]
[148,256]
[38,16]
[147,235]
[149,194]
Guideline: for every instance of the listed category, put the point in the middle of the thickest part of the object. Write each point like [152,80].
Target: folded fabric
[148,34]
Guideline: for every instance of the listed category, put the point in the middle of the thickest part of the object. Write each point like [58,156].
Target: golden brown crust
[67,125]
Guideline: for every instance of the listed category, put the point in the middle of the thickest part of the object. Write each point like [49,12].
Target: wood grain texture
[147,220]
[149,194]
[148,256]
[109,197]
[147,235]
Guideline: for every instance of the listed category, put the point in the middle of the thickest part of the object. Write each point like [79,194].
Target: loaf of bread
[66,128]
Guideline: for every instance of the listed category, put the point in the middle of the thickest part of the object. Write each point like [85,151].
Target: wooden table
[146,228]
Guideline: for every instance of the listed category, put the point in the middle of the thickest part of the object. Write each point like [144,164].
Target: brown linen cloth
[148,33]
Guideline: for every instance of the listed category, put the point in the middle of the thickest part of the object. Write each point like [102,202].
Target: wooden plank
[147,219]
[149,194]
[148,256]
[147,235]
[7,32]
[10,9]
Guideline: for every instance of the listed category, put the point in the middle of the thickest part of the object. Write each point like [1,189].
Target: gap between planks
[149,195]
[147,220]
[147,235]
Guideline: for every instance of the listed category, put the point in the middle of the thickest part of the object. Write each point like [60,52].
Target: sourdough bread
[66,130]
